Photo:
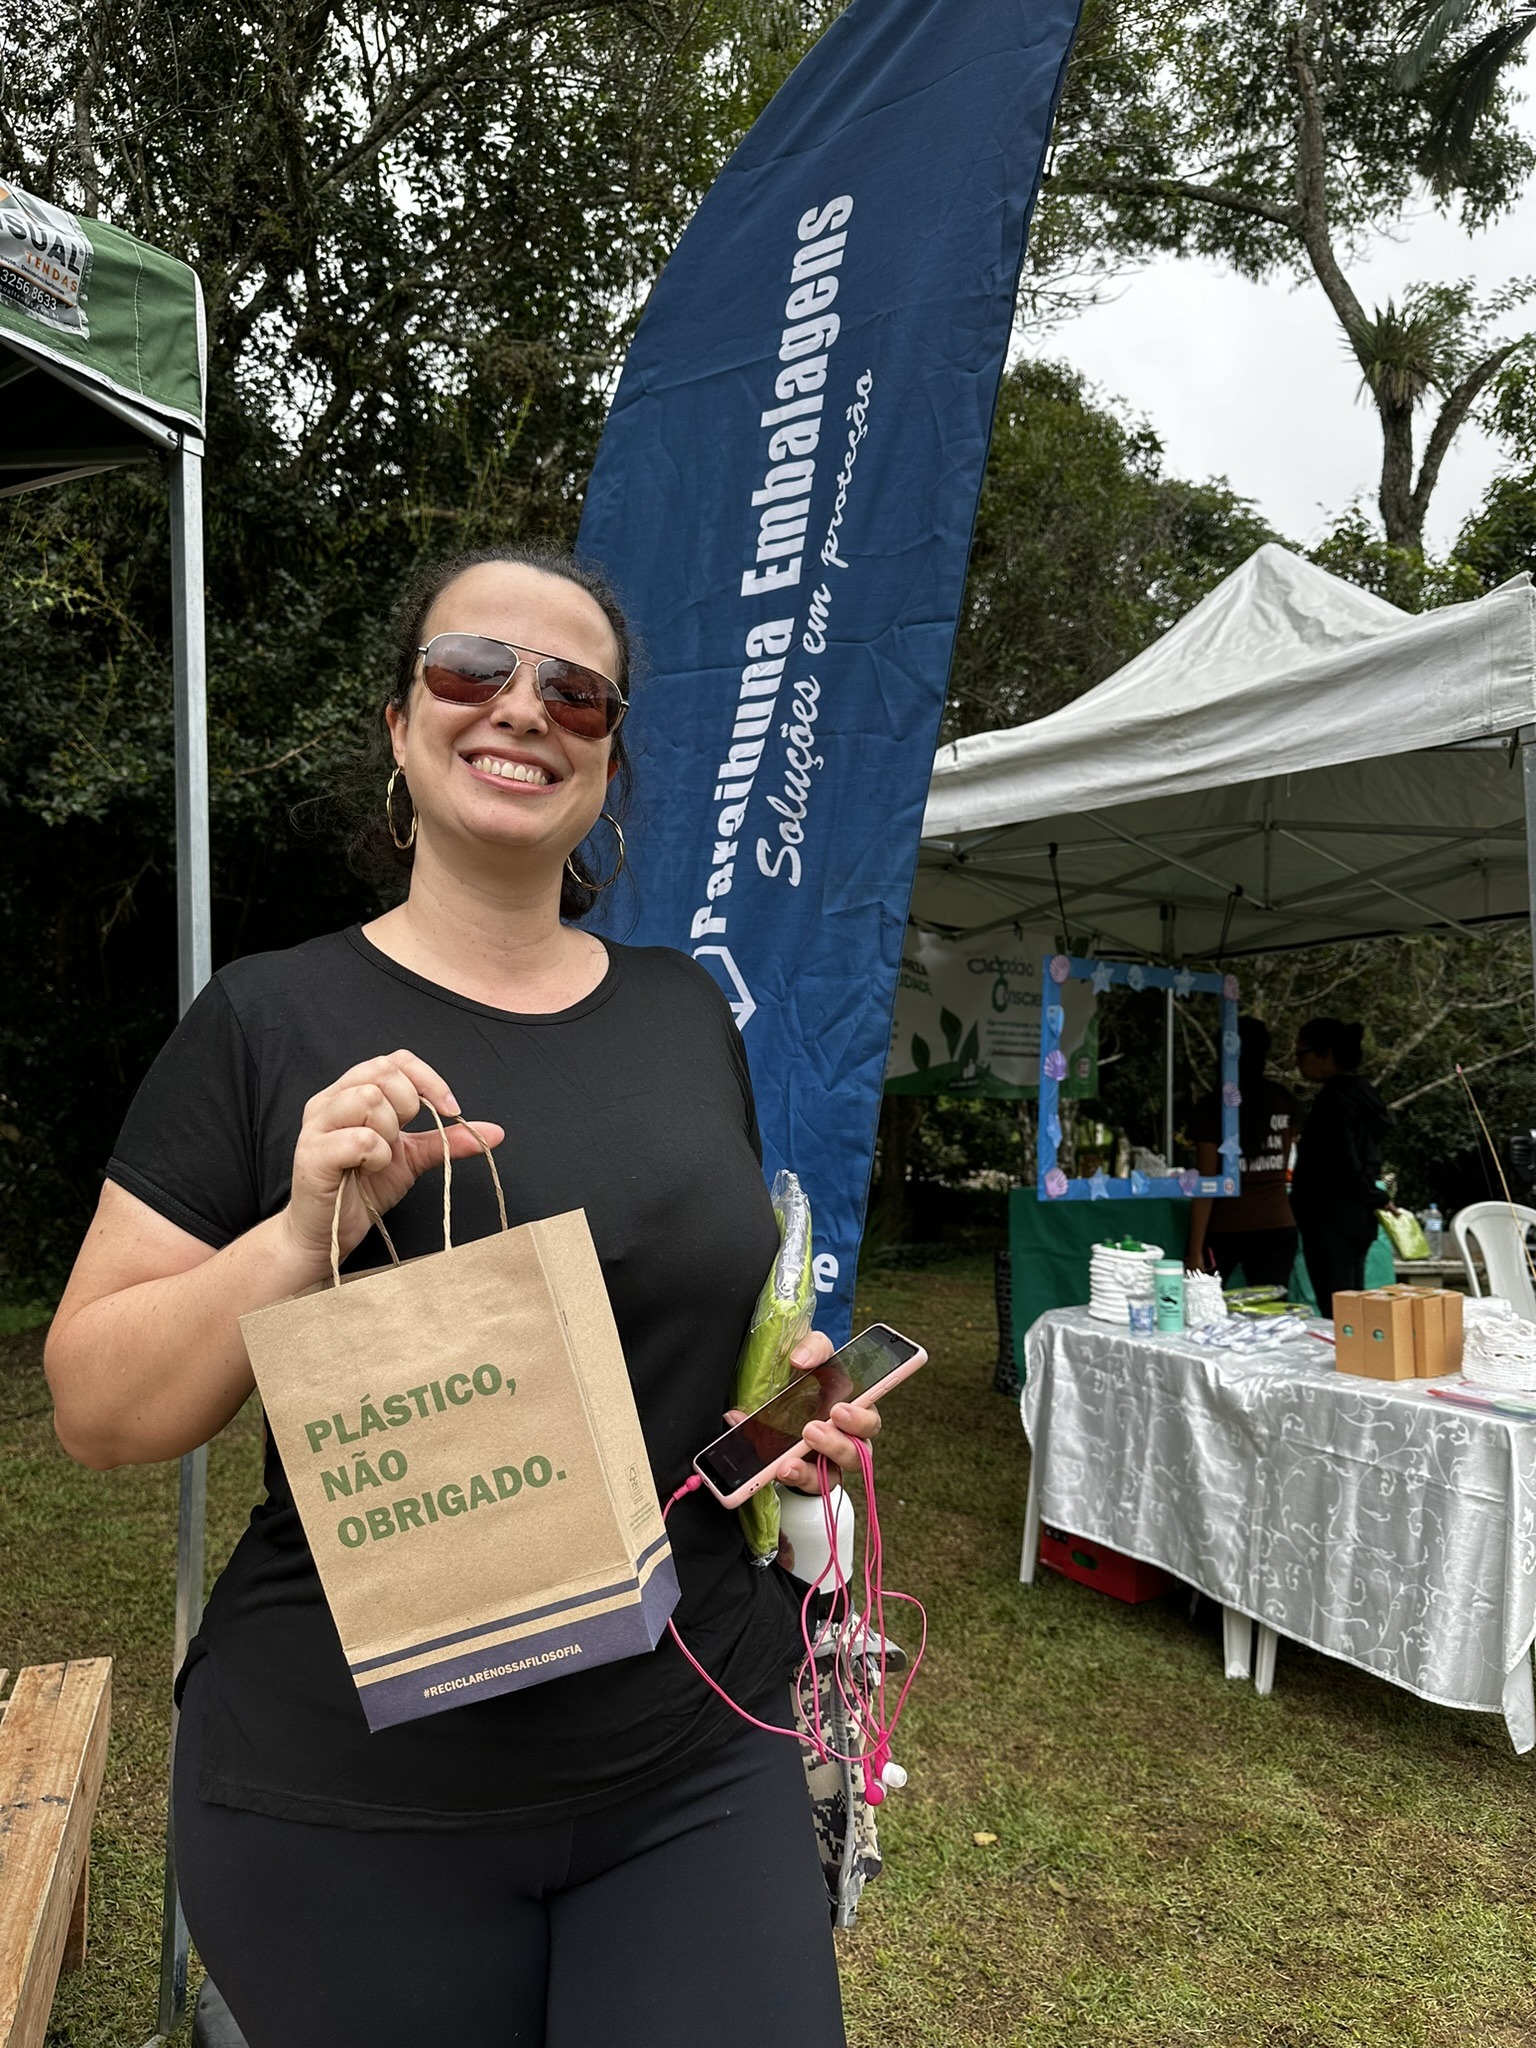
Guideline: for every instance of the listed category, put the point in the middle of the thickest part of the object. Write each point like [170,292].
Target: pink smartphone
[737,1464]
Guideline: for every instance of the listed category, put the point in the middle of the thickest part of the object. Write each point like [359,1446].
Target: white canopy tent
[1295,761]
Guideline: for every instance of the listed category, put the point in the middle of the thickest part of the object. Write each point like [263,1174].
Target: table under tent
[102,365]
[1295,762]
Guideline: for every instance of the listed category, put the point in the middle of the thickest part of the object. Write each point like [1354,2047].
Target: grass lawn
[1176,1861]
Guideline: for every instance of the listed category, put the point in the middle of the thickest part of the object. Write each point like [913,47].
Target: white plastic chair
[1497,1231]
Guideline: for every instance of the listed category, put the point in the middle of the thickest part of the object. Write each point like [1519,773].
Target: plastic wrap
[779,1322]
[1405,1232]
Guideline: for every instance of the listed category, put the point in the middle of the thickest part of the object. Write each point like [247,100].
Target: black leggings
[694,1910]
[1333,1264]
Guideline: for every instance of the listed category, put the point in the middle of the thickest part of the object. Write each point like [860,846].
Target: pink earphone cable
[873,1731]
[691,1485]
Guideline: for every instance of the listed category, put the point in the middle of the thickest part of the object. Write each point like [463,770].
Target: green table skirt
[1049,1245]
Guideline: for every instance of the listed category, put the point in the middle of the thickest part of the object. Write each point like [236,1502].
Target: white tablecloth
[1368,1520]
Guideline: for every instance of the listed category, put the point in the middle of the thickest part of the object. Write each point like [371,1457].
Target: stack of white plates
[1500,1347]
[1117,1277]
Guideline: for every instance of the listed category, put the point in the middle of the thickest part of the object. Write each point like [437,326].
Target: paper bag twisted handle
[378,1221]
[501,1200]
[373,1217]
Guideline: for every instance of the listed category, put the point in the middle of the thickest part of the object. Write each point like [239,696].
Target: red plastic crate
[1095,1564]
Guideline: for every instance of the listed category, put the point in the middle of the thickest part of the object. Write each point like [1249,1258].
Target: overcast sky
[1251,382]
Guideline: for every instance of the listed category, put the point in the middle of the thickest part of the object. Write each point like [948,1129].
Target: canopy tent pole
[194,915]
[1168,1077]
[1528,779]
[194,961]
[175,1942]
[1169,950]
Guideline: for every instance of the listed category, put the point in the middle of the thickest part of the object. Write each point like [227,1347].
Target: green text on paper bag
[461,1439]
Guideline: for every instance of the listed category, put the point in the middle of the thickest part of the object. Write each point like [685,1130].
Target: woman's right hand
[357,1126]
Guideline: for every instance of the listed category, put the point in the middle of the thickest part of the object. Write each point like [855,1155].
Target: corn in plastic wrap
[779,1322]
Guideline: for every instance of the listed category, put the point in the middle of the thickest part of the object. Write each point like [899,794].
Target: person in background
[1334,1191]
[1254,1229]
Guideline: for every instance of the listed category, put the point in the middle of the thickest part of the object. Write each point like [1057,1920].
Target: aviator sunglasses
[466,668]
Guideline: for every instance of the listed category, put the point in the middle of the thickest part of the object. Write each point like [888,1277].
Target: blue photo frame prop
[1055,1186]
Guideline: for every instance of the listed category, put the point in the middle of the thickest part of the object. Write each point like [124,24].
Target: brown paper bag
[462,1443]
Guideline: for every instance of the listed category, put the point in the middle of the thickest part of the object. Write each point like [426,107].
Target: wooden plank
[79,1919]
[53,1750]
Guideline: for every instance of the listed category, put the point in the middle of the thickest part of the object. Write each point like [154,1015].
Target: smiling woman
[461,1877]
[383,846]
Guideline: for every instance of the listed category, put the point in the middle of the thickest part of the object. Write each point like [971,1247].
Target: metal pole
[194,964]
[194,915]
[174,1940]
[1528,778]
[1168,1077]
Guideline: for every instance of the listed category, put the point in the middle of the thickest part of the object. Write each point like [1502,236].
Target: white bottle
[1434,1229]
[802,1518]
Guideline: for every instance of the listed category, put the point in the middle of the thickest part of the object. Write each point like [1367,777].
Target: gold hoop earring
[597,888]
[409,840]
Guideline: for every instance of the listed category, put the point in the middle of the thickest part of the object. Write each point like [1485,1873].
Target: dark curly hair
[372,853]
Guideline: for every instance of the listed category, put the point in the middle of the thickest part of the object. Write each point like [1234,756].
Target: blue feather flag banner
[784,496]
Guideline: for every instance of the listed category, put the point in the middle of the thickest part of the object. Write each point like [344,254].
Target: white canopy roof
[1295,761]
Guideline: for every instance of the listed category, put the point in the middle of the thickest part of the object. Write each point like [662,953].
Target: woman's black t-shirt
[634,1105]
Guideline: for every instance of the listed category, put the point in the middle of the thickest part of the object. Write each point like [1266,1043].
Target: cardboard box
[1451,1303]
[1434,1334]
[1428,1307]
[1426,1304]
[1349,1329]
[1437,1330]
[1373,1334]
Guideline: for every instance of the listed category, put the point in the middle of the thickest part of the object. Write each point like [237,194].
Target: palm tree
[1459,96]
[1428,343]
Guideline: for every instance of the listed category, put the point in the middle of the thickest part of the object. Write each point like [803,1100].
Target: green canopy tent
[102,364]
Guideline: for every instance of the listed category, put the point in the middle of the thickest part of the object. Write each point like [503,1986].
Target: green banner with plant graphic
[967,1019]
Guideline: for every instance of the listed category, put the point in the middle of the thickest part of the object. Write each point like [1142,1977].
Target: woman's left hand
[833,1439]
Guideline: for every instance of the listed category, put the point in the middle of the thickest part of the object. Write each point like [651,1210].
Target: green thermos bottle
[1168,1288]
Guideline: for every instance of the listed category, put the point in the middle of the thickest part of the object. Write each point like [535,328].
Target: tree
[425,232]
[1466,83]
[1498,540]
[1354,549]
[1276,139]
[1084,551]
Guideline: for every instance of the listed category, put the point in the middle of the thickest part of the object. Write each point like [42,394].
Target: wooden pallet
[53,1750]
